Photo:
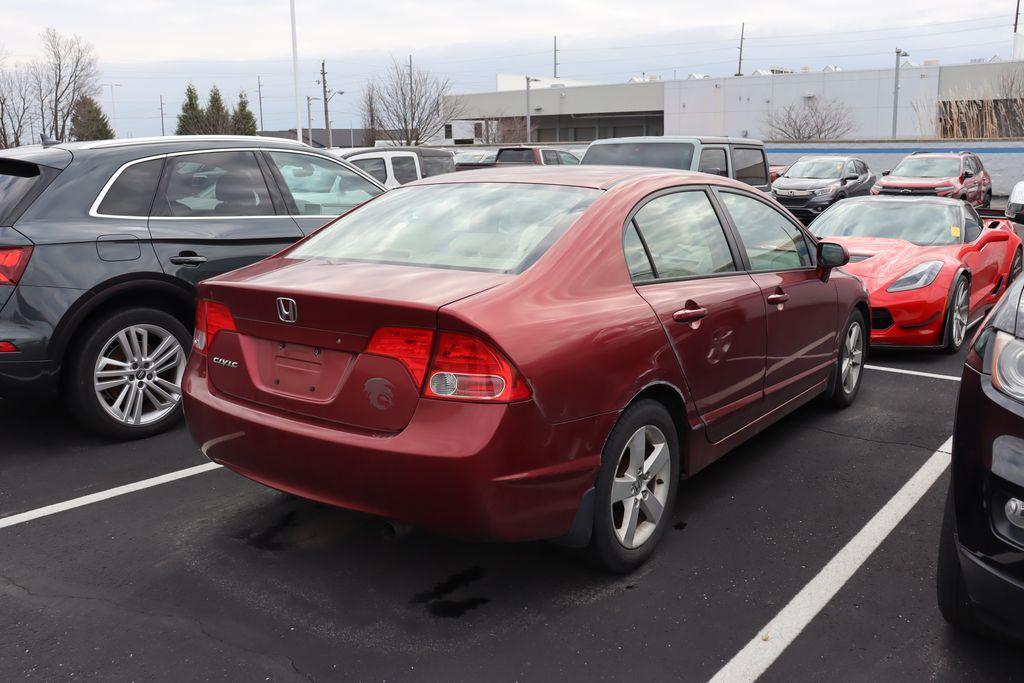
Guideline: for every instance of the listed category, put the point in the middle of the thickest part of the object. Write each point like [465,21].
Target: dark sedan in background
[981,551]
[813,184]
[102,244]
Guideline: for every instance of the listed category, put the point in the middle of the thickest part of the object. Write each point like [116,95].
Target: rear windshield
[657,154]
[927,167]
[516,156]
[493,227]
[20,183]
[921,224]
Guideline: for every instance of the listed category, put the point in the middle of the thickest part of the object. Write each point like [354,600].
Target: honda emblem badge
[287,310]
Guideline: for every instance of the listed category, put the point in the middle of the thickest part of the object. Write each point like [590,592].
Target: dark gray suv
[102,243]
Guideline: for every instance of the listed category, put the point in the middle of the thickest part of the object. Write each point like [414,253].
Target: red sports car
[524,353]
[933,266]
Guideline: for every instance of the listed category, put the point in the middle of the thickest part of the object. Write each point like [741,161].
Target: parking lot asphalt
[213,576]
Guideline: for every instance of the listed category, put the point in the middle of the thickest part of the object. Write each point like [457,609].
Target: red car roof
[597,177]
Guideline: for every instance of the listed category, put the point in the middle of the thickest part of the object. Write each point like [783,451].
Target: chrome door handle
[689,315]
[778,298]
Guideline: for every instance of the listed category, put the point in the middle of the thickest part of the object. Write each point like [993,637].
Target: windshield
[921,224]
[656,154]
[816,169]
[494,227]
[927,167]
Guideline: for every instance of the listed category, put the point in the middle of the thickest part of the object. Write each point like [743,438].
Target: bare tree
[810,119]
[410,105]
[17,114]
[368,111]
[66,72]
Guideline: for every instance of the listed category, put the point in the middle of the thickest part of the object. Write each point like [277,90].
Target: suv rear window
[493,227]
[515,156]
[20,183]
[656,154]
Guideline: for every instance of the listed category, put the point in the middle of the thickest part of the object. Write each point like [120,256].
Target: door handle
[188,259]
[778,298]
[690,314]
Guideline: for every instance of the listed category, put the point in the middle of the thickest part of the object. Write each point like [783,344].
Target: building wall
[592,99]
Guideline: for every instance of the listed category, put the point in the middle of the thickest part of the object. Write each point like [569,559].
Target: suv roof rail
[123,142]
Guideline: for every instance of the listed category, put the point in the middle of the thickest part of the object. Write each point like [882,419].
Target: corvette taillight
[467,368]
[211,317]
[13,261]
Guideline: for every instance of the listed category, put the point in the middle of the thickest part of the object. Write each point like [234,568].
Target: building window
[448,131]
[478,130]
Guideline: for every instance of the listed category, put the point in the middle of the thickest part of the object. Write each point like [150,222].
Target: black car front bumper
[806,207]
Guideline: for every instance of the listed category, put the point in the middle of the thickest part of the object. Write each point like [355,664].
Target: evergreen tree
[88,122]
[242,120]
[218,118]
[192,119]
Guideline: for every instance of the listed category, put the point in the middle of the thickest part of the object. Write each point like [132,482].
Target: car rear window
[132,192]
[493,227]
[20,183]
[750,165]
[516,156]
[437,165]
[657,154]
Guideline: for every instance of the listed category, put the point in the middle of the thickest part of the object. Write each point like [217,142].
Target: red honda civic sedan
[524,353]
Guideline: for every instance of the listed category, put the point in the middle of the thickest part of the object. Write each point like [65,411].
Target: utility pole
[162,116]
[528,126]
[295,76]
[743,32]
[113,106]
[408,137]
[326,98]
[556,55]
[259,96]
[896,90]
[309,117]
[1016,16]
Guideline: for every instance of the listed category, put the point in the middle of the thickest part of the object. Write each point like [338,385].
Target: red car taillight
[211,317]
[467,368]
[7,347]
[13,261]
[462,367]
[410,345]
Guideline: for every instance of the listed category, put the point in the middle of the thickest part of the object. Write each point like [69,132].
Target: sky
[154,48]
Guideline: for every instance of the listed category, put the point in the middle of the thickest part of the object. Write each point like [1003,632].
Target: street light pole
[309,117]
[113,106]
[528,108]
[295,76]
[896,90]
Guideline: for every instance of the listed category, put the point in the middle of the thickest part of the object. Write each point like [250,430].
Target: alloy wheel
[641,486]
[853,357]
[137,376]
[961,313]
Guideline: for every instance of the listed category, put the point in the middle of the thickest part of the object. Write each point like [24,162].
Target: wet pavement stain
[438,606]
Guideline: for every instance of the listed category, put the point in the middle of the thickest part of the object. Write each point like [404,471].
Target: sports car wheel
[958,316]
[636,487]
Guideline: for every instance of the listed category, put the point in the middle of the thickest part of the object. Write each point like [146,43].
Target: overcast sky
[155,47]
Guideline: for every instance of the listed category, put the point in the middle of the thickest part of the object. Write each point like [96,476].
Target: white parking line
[918,373]
[772,640]
[23,517]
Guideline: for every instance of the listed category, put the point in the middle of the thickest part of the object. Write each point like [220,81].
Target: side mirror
[1015,203]
[887,171]
[831,255]
[852,177]
[968,174]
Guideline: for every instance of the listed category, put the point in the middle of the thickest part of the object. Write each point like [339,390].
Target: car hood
[878,261]
[802,183]
[914,183]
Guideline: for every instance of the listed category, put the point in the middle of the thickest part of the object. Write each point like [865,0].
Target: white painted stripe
[23,517]
[901,371]
[772,640]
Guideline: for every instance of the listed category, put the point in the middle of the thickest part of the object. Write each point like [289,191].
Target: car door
[714,160]
[801,309]
[316,190]
[404,167]
[750,166]
[214,212]
[686,267]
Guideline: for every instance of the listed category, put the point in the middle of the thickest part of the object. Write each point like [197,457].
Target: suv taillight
[461,368]
[13,261]
[211,317]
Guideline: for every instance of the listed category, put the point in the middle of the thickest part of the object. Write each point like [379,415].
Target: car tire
[953,336]
[643,441]
[102,383]
[951,591]
[844,383]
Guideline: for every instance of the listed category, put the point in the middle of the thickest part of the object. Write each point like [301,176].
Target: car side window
[750,165]
[405,169]
[684,236]
[771,241]
[862,168]
[374,167]
[568,159]
[131,194]
[639,264]
[851,169]
[550,157]
[712,160]
[211,184]
[321,187]
[972,225]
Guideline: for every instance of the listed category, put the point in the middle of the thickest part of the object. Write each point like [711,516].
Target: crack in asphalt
[152,615]
[881,442]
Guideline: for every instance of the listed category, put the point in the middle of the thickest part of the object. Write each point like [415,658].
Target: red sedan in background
[524,353]
[933,266]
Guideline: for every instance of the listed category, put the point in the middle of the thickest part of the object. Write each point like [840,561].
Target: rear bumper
[27,379]
[468,470]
